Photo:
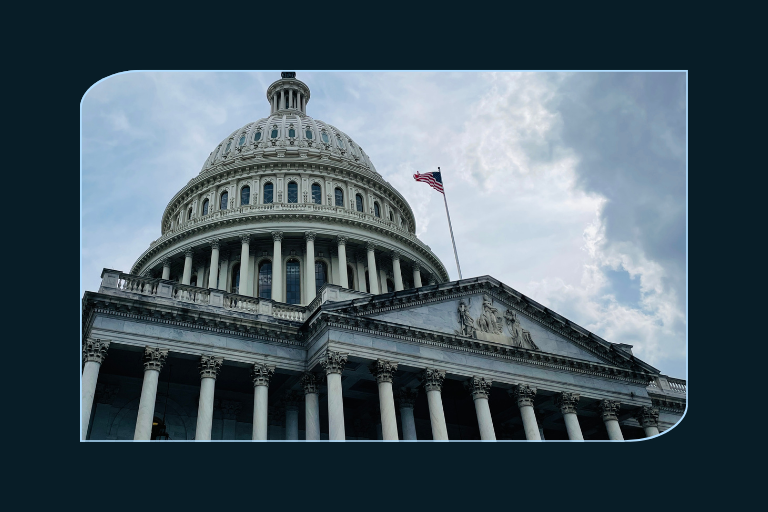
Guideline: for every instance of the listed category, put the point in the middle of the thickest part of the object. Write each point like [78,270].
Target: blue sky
[569,187]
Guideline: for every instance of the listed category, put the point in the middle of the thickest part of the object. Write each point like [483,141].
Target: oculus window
[292,282]
[268,193]
[293,192]
[245,195]
[317,196]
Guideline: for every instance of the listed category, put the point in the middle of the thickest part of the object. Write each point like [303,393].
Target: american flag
[433,178]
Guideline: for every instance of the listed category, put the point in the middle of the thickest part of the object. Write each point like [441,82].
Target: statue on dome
[489,320]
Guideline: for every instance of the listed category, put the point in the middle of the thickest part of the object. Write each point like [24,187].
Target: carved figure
[520,337]
[466,322]
[489,320]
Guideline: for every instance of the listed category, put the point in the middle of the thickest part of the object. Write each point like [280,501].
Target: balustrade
[241,303]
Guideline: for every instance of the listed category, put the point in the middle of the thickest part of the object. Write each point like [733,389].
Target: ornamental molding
[647,416]
[95,350]
[154,358]
[609,409]
[478,387]
[261,373]
[668,405]
[210,366]
[311,382]
[524,394]
[406,397]
[432,379]
[333,362]
[383,370]
[567,402]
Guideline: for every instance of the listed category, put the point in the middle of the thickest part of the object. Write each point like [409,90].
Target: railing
[288,312]
[137,284]
[678,385]
[241,303]
[193,294]
[663,383]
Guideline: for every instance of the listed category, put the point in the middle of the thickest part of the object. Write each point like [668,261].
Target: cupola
[288,95]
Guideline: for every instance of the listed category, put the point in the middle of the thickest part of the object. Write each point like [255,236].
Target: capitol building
[289,298]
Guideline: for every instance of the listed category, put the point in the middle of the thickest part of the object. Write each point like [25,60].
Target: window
[265,280]
[224,199]
[274,133]
[339,142]
[309,134]
[339,197]
[359,202]
[292,282]
[235,280]
[245,195]
[291,133]
[325,138]
[350,277]
[317,195]
[268,190]
[391,217]
[229,145]
[257,136]
[189,214]
[321,274]
[241,141]
[293,192]
[376,210]
[205,207]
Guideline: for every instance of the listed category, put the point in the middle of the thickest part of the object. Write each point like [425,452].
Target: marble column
[333,364]
[609,410]
[311,384]
[213,275]
[342,245]
[567,403]
[417,275]
[229,411]
[166,269]
[384,371]
[432,379]
[407,400]
[525,394]
[292,401]
[360,260]
[200,275]
[309,271]
[479,387]
[373,275]
[261,373]
[245,260]
[277,266]
[209,369]
[154,358]
[223,271]
[396,271]
[382,276]
[94,353]
[648,417]
[186,277]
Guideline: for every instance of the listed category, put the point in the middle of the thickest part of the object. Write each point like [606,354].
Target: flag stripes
[432,178]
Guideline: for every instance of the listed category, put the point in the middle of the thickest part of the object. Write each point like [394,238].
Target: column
[209,368]
[407,399]
[648,417]
[360,259]
[261,373]
[373,277]
[342,245]
[154,358]
[309,270]
[200,275]
[223,271]
[432,380]
[292,400]
[567,403]
[245,260]
[229,411]
[282,99]
[431,280]
[311,384]
[333,364]
[277,267]
[525,394]
[382,274]
[186,277]
[417,275]
[247,289]
[213,275]
[166,268]
[396,271]
[384,371]
[609,410]
[479,387]
[94,352]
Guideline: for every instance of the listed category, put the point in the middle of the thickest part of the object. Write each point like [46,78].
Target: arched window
[317,195]
[321,275]
[234,284]
[205,207]
[390,286]
[291,132]
[367,283]
[339,197]
[391,216]
[293,192]
[265,280]
[257,136]
[350,277]
[245,195]
[359,203]
[241,141]
[325,137]
[292,282]
[189,214]
[309,134]
[224,200]
[229,145]
[268,193]
[376,210]
[339,142]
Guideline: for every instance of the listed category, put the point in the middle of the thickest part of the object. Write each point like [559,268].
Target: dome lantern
[288,95]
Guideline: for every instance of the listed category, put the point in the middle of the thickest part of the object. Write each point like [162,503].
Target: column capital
[277,236]
[647,416]
[261,373]
[215,243]
[333,362]
[609,409]
[209,366]
[395,255]
[383,370]
[567,402]
[407,397]
[432,379]
[292,400]
[230,408]
[95,350]
[154,358]
[311,382]
[167,262]
[188,253]
[341,240]
[524,394]
[370,246]
[416,266]
[310,236]
[431,280]
[478,386]
[245,239]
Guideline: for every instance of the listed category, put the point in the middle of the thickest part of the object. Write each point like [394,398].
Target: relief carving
[520,337]
[489,320]
[466,322]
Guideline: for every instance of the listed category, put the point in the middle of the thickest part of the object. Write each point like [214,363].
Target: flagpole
[447,213]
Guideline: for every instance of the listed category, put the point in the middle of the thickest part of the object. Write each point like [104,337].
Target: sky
[568,187]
